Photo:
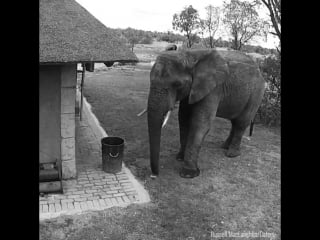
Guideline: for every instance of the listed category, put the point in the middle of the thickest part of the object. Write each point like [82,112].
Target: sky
[154,15]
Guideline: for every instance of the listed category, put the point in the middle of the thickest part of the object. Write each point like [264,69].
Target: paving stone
[129,189]
[128,183]
[73,196]
[123,181]
[58,197]
[118,194]
[57,207]
[131,192]
[64,206]
[45,208]
[122,178]
[108,202]
[106,195]
[78,192]
[40,208]
[91,190]
[82,178]
[100,183]
[97,187]
[53,201]
[87,195]
[114,201]
[43,202]
[93,175]
[97,178]
[120,200]
[66,200]
[102,203]
[84,182]
[80,199]
[125,199]
[90,204]
[51,208]
[96,203]
[70,206]
[112,192]
[69,191]
[77,206]
[112,182]
[83,206]
[93,198]
[97,181]
[88,185]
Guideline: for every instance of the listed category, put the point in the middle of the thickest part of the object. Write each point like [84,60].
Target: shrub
[146,40]
[269,112]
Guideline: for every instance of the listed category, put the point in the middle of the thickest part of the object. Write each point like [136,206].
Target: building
[69,35]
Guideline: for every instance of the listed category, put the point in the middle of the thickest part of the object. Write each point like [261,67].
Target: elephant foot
[189,173]
[225,145]
[231,152]
[180,157]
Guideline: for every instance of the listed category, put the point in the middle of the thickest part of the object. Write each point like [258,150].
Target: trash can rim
[112,141]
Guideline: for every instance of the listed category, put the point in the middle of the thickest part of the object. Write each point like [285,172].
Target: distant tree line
[131,37]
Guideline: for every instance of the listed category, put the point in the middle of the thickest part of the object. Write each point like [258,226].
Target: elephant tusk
[153,176]
[141,113]
[166,119]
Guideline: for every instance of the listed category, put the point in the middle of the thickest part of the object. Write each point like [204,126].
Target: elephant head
[176,76]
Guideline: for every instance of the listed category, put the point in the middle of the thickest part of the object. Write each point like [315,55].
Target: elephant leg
[239,129]
[227,142]
[203,114]
[184,123]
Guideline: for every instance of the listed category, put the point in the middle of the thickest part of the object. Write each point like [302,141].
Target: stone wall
[68,100]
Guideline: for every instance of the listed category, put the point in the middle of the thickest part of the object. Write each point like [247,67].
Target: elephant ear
[209,72]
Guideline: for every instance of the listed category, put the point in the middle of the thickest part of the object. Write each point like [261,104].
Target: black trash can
[112,154]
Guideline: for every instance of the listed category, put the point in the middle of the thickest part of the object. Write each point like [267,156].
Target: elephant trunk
[154,128]
[157,109]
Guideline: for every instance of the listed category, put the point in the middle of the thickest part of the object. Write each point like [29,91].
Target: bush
[269,112]
[146,40]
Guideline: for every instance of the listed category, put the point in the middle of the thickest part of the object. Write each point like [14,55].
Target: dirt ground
[238,195]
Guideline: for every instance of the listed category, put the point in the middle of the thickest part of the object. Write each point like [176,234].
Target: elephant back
[236,56]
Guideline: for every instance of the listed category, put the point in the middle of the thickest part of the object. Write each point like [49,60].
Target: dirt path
[239,195]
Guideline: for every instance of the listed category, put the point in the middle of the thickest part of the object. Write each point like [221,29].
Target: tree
[211,23]
[187,21]
[274,7]
[270,108]
[132,37]
[243,22]
[146,39]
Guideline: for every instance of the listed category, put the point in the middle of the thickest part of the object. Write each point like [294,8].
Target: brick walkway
[93,189]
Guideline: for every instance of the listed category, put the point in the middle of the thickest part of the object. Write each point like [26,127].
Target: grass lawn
[239,194]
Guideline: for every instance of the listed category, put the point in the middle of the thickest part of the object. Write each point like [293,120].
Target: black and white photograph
[159,120]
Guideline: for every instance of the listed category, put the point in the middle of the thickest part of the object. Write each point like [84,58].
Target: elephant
[171,47]
[207,84]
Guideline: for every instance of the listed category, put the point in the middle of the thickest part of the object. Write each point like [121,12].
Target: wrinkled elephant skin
[207,83]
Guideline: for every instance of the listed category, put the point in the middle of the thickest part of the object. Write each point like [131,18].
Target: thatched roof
[69,33]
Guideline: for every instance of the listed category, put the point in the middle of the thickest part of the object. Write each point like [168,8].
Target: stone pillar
[68,99]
